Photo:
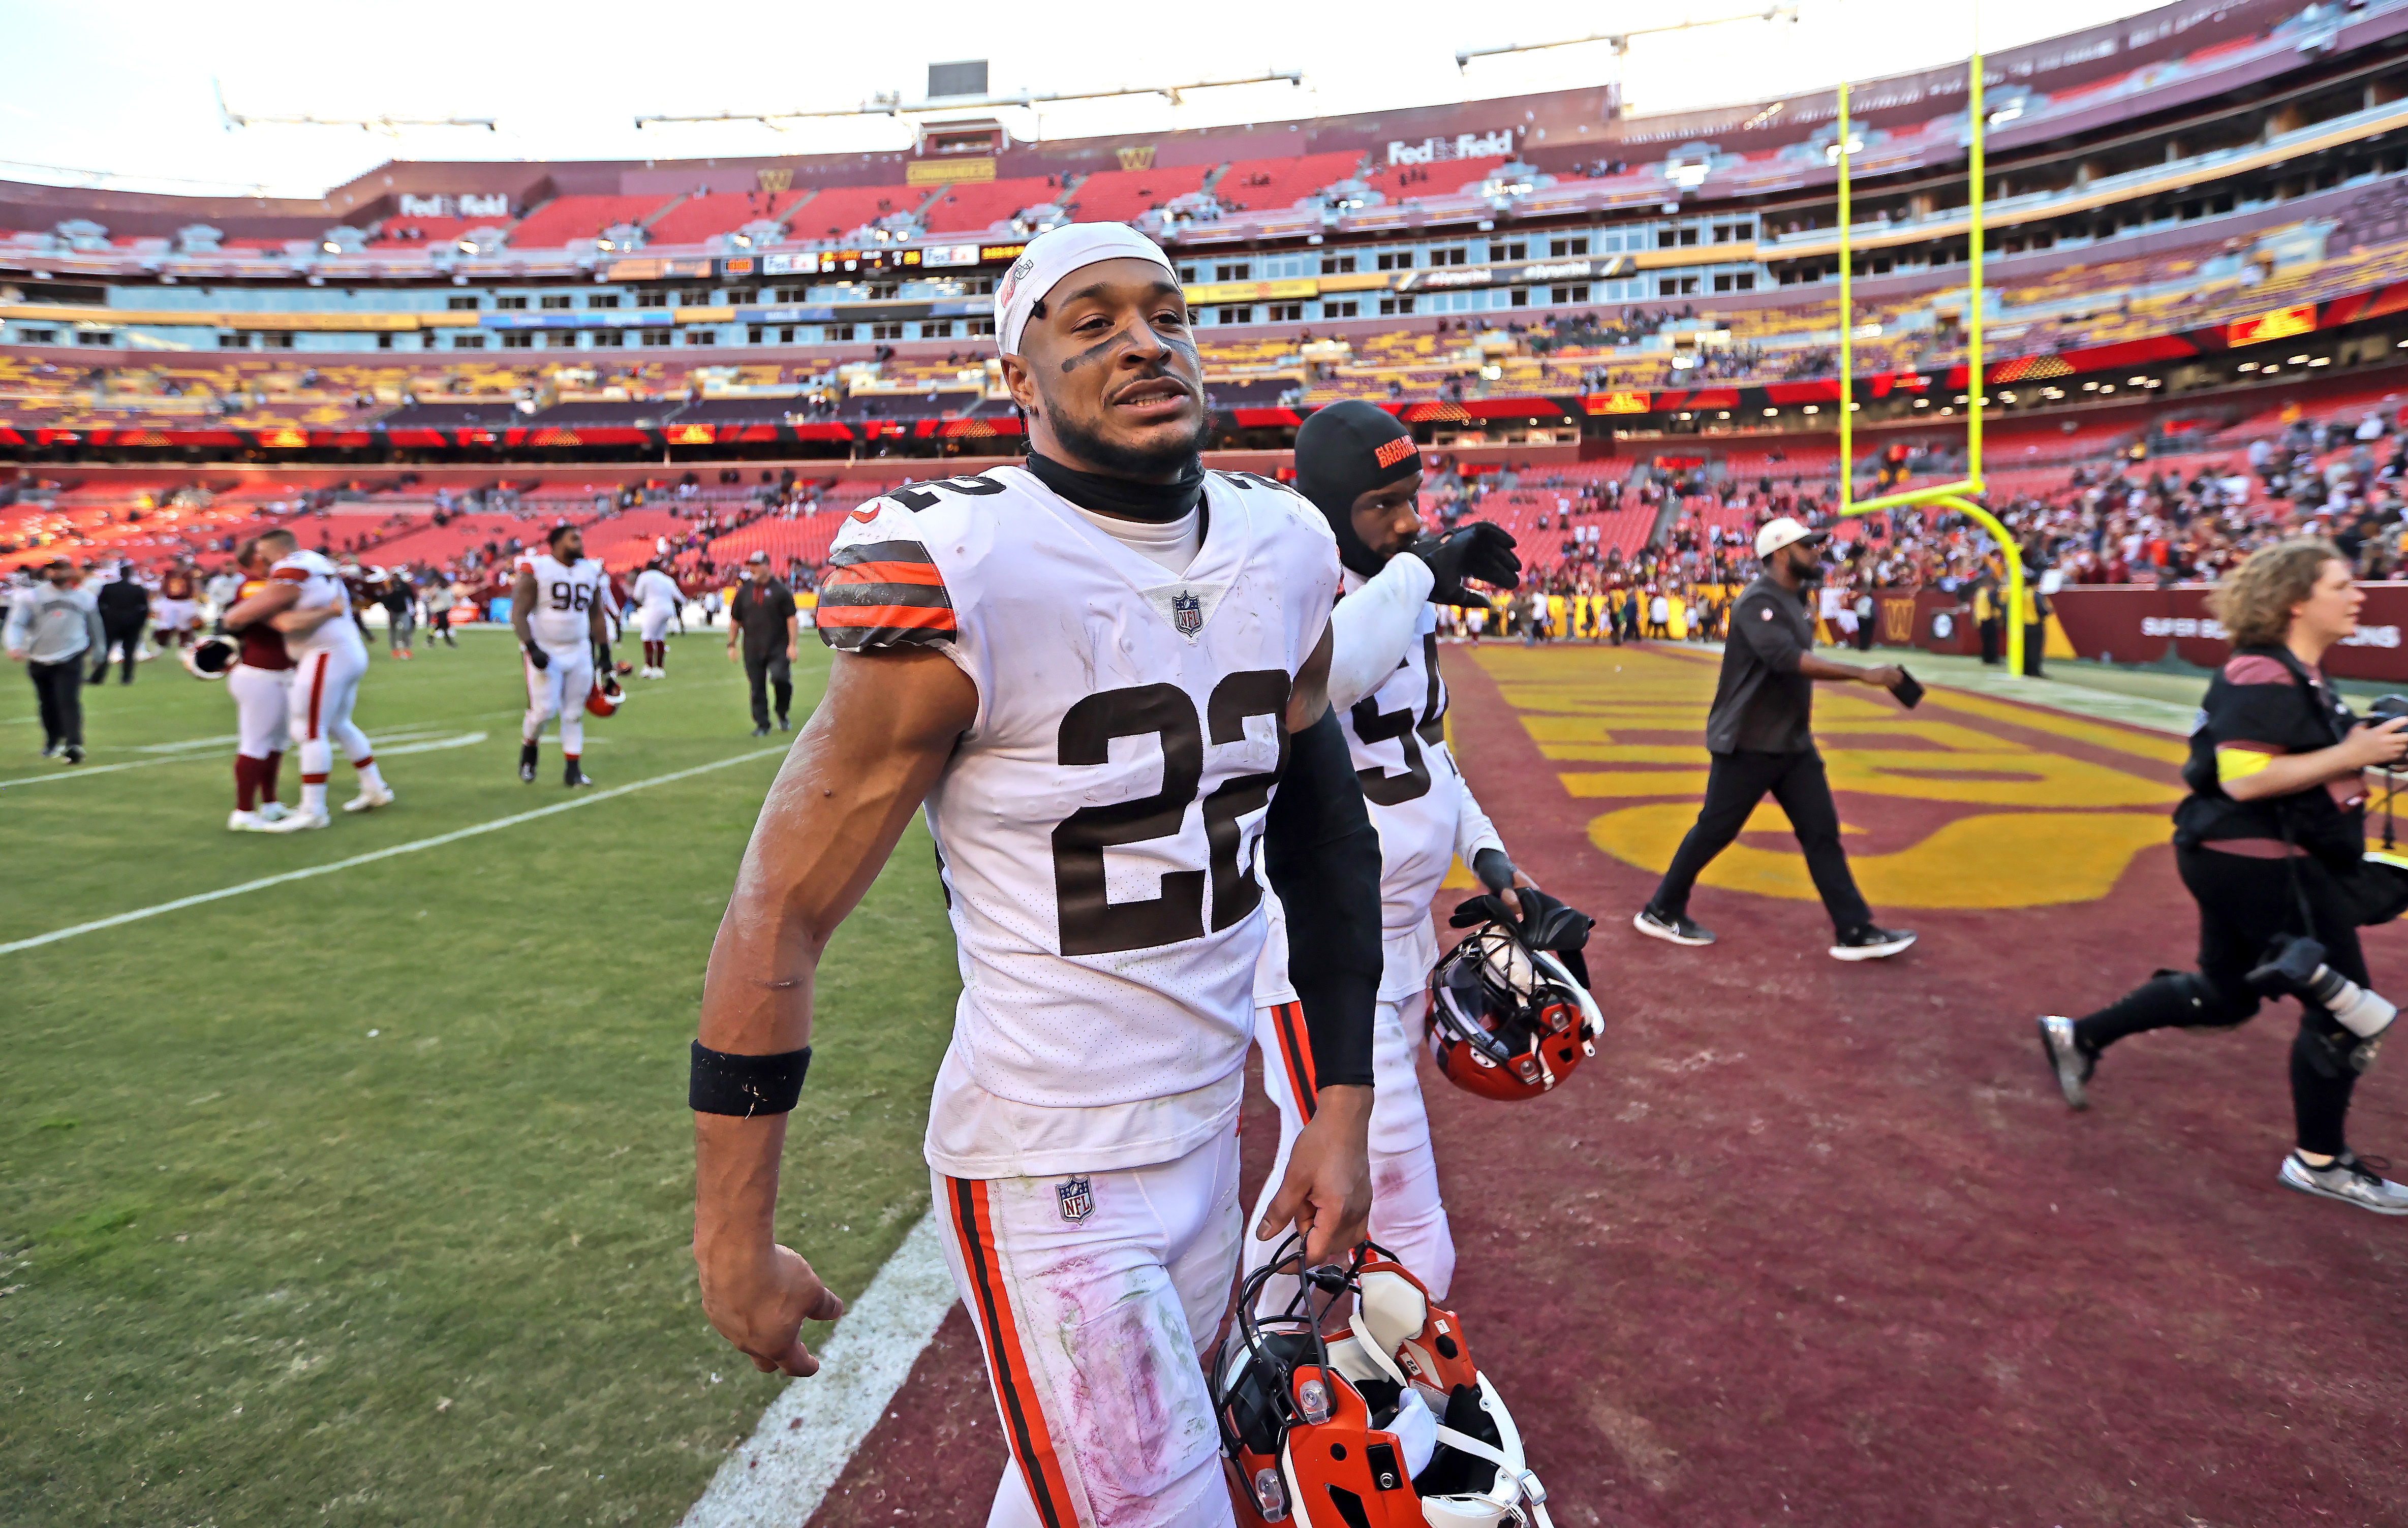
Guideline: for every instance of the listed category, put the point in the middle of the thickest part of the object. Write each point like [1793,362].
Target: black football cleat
[574,776]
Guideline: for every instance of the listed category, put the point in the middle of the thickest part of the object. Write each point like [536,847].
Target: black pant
[1993,633]
[2244,902]
[767,669]
[2035,638]
[110,636]
[1734,785]
[59,689]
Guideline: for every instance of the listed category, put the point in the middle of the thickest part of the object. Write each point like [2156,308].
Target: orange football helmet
[1387,1425]
[1508,1020]
[605,697]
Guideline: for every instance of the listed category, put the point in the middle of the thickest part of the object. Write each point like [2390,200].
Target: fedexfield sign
[1461,146]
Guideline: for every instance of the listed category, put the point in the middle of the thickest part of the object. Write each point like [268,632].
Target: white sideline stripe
[810,1431]
[73,772]
[412,848]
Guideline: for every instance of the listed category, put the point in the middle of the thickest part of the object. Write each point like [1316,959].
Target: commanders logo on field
[1078,1199]
[1187,614]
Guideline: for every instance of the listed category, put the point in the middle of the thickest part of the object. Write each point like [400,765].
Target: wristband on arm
[744,1086]
[1323,857]
[536,656]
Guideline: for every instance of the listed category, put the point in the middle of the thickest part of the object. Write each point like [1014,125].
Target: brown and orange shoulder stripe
[884,594]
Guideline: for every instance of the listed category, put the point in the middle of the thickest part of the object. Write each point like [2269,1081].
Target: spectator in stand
[51,628]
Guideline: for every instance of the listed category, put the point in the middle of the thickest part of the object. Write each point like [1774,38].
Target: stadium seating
[836,211]
[566,217]
[976,206]
[1124,195]
[1273,185]
[698,217]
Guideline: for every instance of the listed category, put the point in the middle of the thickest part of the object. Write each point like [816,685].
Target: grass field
[364,1198]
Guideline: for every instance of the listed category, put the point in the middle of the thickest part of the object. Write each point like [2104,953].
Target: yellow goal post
[1957,497]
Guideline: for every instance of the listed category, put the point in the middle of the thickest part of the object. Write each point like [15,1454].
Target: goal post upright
[1957,497]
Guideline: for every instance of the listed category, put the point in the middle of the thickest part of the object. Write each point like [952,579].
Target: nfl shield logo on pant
[1078,1199]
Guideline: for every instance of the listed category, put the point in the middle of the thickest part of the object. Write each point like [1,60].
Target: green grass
[364,1199]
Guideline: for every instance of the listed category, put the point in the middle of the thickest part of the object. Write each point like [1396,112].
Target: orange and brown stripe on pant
[1016,1392]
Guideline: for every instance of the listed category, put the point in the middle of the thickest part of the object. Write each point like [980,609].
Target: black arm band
[745,1086]
[1323,859]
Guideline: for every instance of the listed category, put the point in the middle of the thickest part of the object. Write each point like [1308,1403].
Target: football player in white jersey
[1360,467]
[1104,674]
[556,602]
[306,600]
[657,599]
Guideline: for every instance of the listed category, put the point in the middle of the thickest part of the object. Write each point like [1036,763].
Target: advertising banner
[2138,624]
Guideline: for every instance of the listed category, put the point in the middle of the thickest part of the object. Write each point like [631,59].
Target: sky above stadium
[129,89]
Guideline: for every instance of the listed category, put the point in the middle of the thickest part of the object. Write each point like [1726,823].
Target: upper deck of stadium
[2153,182]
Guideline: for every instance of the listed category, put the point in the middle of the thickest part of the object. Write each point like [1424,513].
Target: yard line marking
[812,1429]
[411,848]
[75,772]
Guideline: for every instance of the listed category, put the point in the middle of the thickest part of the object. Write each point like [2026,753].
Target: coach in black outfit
[1761,735]
[761,618]
[124,611]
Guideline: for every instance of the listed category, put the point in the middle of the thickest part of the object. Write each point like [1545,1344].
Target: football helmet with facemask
[1507,1020]
[1387,1426]
[605,696]
[211,656]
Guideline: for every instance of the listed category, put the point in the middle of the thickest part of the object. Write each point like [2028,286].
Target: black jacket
[1762,704]
[122,604]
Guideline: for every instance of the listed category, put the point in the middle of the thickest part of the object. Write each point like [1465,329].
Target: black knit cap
[1344,451]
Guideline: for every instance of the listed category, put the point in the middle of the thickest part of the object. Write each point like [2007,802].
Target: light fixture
[2091,387]
[1769,412]
[330,246]
[599,243]
[1923,403]
[2298,360]
[2251,366]
[1685,416]
[2140,381]
[2321,360]
[1946,411]
[1813,408]
[2268,369]
[1726,413]
[2106,387]
[2007,397]
[744,242]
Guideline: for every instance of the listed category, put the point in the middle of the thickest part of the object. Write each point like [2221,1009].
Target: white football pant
[1408,1216]
[560,691]
[1095,1297]
[653,621]
[262,699]
[325,685]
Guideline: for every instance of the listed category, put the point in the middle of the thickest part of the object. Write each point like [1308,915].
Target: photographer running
[2271,843]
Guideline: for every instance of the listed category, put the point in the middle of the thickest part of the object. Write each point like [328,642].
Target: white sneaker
[240,820]
[297,822]
[273,811]
[369,798]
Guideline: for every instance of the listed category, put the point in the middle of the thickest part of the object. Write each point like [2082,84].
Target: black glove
[1481,549]
[536,656]
[1545,924]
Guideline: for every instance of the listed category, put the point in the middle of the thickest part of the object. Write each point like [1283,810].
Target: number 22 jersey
[1097,825]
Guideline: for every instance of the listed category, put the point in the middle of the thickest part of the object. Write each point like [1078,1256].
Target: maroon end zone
[1817,1243]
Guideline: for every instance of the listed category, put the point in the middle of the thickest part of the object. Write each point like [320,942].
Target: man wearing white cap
[1760,734]
[1105,675]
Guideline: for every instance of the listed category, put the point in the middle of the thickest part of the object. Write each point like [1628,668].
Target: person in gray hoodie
[51,626]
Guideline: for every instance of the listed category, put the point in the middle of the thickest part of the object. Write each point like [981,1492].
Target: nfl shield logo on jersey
[1186,613]
[1078,1199]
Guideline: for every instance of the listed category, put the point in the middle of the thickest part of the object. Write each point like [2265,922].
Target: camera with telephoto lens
[2388,709]
[2297,969]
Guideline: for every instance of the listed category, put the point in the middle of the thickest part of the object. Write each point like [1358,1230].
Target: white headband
[1054,254]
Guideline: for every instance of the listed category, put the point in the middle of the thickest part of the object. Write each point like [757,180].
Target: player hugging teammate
[1106,793]
[303,605]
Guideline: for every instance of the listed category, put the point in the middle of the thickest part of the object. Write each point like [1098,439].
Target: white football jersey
[564,592]
[320,585]
[1097,826]
[655,589]
[1420,805]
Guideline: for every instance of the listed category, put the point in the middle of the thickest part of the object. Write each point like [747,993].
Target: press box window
[981,328]
[609,339]
[1237,315]
[510,301]
[518,342]
[1518,250]
[1676,286]
[886,331]
[1558,248]
[463,342]
[1242,271]
[461,304]
[1341,310]
[95,336]
[1521,297]
[838,332]
[557,302]
[1288,313]
[1395,306]
[45,336]
[1457,255]
[657,336]
[1337,265]
[1395,260]
[1561,295]
[283,341]
[702,336]
[601,299]
[938,329]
